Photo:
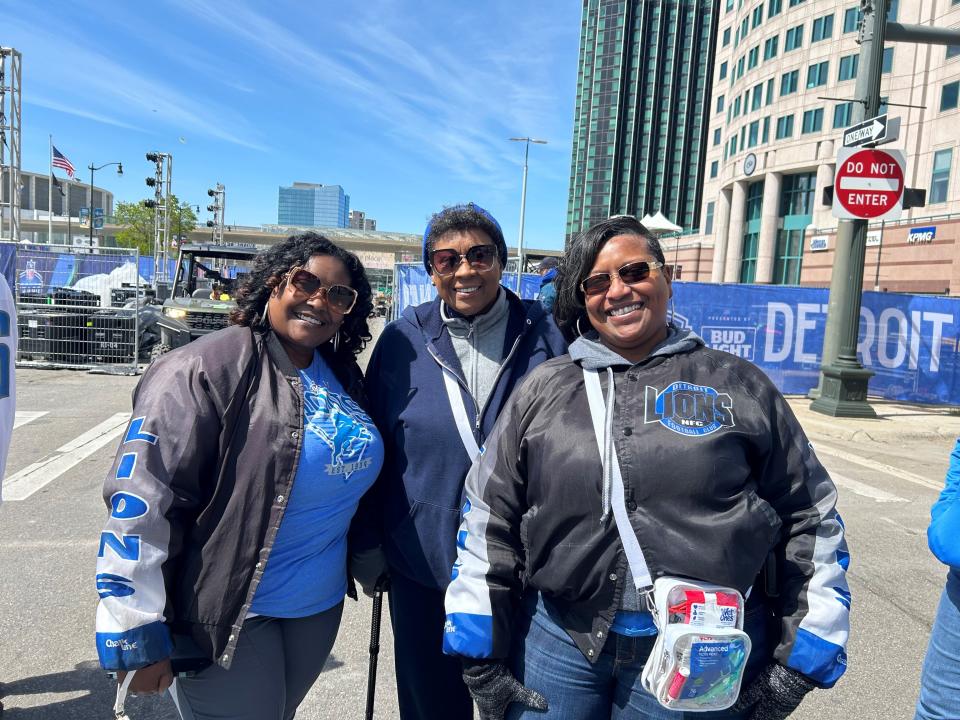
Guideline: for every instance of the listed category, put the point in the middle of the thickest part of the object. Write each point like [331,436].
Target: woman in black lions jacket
[716,475]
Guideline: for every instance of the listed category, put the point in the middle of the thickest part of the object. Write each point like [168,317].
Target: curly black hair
[569,307]
[461,218]
[269,269]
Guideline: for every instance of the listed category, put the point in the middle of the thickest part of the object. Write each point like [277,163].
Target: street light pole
[90,208]
[523,200]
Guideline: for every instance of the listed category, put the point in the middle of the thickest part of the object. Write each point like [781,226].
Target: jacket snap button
[599,633]
[628,431]
[294,434]
[631,504]
[225,657]
[230,639]
[613,576]
[280,498]
[259,565]
[590,653]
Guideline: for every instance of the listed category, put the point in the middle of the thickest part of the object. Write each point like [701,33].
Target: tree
[138,221]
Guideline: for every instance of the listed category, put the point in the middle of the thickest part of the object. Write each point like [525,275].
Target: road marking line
[868,491]
[23,417]
[878,466]
[34,477]
[907,530]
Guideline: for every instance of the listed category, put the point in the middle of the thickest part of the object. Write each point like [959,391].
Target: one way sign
[869,131]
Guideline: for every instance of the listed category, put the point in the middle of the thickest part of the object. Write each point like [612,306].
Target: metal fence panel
[77,308]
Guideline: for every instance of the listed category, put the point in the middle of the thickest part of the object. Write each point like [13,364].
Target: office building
[360,221]
[313,205]
[643,97]
[783,80]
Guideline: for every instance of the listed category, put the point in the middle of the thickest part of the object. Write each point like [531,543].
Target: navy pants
[429,684]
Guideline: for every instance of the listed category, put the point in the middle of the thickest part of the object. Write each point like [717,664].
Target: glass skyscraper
[313,205]
[643,100]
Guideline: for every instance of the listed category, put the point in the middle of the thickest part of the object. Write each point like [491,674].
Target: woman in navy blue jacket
[940,682]
[438,378]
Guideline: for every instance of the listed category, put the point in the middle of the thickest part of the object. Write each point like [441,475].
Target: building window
[757,16]
[726,37]
[770,91]
[740,67]
[851,19]
[751,238]
[822,28]
[723,70]
[812,121]
[753,135]
[794,3]
[848,67]
[753,57]
[793,38]
[887,66]
[940,179]
[736,106]
[784,127]
[729,5]
[708,223]
[714,169]
[766,130]
[841,114]
[948,97]
[789,258]
[953,50]
[817,74]
[788,82]
[775,7]
[733,145]
[744,28]
[770,47]
[716,136]
[720,99]
[892,9]
[757,97]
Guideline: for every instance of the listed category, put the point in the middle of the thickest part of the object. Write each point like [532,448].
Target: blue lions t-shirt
[341,456]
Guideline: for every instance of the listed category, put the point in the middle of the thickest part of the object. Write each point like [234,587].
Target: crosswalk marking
[868,491]
[23,417]
[878,466]
[34,477]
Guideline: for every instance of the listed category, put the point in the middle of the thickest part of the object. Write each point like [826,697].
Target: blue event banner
[908,341]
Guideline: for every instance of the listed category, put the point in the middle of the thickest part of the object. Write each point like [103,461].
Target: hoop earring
[264,316]
[577,326]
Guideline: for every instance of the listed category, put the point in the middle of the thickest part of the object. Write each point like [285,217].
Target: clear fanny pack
[701,651]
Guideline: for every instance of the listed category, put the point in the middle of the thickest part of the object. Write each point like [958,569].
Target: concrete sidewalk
[895,423]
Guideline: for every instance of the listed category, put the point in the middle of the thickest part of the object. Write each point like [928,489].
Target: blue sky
[407,105]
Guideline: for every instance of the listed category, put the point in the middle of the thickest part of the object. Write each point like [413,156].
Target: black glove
[493,688]
[774,694]
[367,567]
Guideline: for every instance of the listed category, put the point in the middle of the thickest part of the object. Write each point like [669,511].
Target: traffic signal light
[150,203]
[151,182]
[211,192]
[153,157]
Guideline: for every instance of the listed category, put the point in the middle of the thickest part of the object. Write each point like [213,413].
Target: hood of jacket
[591,354]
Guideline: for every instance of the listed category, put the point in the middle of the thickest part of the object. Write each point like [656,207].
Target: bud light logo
[739,341]
[689,409]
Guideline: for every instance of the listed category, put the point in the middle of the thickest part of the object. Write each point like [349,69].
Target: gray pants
[276,662]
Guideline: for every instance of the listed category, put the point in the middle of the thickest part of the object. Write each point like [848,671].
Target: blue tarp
[910,342]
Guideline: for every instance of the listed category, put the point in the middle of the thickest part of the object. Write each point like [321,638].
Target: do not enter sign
[868,184]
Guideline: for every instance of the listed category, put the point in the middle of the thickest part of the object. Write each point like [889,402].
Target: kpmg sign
[922,235]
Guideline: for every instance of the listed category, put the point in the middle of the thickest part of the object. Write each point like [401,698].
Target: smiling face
[302,324]
[631,319]
[467,290]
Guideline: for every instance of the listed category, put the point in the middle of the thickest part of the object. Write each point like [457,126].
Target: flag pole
[50,197]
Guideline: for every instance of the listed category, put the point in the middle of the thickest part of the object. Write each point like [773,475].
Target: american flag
[60,161]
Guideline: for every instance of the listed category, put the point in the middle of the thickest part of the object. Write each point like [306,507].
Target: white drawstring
[118,711]
[608,450]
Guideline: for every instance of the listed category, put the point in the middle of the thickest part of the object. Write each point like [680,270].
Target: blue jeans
[545,659]
[940,682]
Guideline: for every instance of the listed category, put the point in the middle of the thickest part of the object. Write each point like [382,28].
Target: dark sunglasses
[630,274]
[480,257]
[339,297]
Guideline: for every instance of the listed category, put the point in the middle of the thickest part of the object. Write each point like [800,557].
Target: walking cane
[383,583]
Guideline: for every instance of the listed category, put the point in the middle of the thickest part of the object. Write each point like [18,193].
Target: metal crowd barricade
[78,307]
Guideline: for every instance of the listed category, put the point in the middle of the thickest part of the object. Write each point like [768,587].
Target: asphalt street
[888,472]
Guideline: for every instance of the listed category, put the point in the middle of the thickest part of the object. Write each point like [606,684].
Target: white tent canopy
[658,224]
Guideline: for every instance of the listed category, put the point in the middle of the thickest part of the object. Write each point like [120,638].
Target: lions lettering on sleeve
[131,629]
[8,356]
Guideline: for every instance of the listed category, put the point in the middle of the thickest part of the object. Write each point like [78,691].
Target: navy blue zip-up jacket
[413,508]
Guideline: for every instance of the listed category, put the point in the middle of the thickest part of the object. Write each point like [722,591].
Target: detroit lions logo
[689,409]
[342,426]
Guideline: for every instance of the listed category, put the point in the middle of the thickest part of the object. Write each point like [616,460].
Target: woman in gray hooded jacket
[715,476]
